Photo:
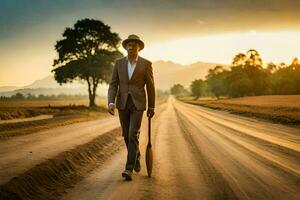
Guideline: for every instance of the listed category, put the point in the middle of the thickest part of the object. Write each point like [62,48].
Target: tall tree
[271,68]
[254,58]
[178,90]
[251,58]
[239,60]
[247,76]
[295,62]
[198,88]
[286,80]
[216,81]
[87,52]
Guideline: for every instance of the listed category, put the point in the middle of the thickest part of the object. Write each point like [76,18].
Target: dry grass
[64,112]
[29,127]
[12,109]
[289,101]
[46,103]
[283,109]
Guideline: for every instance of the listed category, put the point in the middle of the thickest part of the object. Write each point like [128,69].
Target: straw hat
[133,38]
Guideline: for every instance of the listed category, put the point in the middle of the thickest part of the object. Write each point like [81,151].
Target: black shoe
[127,174]
[137,167]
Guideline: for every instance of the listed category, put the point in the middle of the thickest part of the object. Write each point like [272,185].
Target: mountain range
[166,74]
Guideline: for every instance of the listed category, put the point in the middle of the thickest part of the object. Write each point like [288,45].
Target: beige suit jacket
[120,85]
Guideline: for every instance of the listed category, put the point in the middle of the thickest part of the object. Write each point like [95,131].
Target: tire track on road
[247,177]
[215,181]
[279,156]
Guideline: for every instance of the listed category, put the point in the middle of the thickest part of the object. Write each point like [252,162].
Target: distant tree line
[179,90]
[248,76]
[160,92]
[29,96]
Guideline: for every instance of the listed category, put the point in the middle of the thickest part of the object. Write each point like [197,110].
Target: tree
[30,96]
[295,62]
[198,88]
[216,81]
[238,82]
[18,95]
[251,58]
[239,59]
[286,80]
[42,96]
[247,76]
[178,90]
[254,58]
[271,68]
[86,53]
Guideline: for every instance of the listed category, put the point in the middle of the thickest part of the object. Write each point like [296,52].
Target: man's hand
[150,112]
[111,108]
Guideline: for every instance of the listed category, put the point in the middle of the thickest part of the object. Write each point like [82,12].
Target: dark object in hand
[150,113]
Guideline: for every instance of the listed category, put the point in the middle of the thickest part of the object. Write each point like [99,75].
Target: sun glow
[273,46]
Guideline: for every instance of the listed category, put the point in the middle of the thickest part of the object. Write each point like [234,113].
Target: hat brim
[140,42]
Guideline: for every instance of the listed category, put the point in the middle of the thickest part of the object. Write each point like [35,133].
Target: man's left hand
[150,112]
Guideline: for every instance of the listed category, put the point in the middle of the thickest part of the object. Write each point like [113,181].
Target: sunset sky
[182,31]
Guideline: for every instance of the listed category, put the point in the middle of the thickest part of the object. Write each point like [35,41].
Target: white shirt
[131,67]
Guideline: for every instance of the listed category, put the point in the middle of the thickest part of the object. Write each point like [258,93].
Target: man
[129,77]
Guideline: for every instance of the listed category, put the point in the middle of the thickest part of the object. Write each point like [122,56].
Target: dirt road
[19,154]
[204,154]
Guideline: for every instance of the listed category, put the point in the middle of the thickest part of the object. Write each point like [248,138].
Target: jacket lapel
[125,67]
[136,68]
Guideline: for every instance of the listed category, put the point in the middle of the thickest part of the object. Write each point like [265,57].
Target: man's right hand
[111,108]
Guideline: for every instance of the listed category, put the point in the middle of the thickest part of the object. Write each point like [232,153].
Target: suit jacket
[120,85]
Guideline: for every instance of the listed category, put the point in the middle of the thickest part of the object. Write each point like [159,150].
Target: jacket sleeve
[113,84]
[150,86]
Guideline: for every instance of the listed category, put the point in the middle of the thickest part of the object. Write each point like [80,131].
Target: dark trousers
[131,120]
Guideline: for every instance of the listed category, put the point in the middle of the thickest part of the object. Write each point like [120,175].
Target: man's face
[132,48]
